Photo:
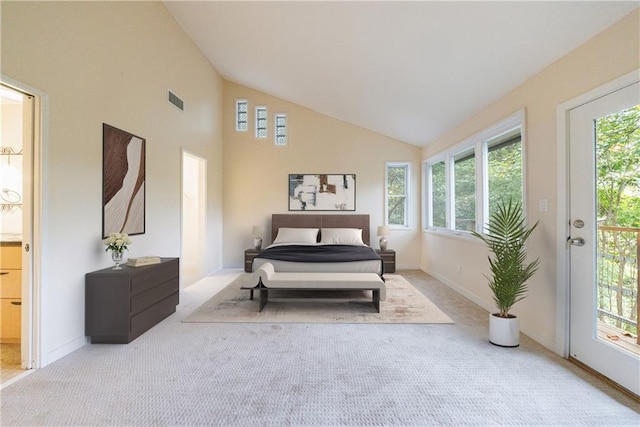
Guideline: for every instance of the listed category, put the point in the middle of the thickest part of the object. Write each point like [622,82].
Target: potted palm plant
[506,235]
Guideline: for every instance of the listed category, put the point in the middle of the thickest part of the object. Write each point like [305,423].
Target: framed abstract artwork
[123,182]
[324,192]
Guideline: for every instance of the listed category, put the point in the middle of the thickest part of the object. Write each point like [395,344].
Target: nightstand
[249,255]
[388,260]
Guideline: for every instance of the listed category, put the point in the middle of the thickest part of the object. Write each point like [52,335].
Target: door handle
[576,241]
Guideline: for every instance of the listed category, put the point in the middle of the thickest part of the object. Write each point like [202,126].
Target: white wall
[611,54]
[110,62]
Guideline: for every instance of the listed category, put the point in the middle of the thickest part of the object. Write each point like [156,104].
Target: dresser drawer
[10,319]
[144,300]
[11,257]
[10,283]
[154,314]
[147,277]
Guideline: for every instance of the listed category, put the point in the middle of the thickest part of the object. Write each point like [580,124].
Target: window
[464,185]
[438,200]
[397,195]
[242,124]
[504,160]
[261,122]
[280,129]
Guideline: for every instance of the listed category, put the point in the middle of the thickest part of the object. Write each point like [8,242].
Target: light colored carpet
[404,304]
[304,374]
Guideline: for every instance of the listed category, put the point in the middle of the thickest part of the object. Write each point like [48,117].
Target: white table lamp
[257,236]
[383,232]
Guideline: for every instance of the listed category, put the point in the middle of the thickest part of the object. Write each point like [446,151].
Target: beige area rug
[404,304]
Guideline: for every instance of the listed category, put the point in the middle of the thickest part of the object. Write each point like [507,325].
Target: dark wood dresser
[120,305]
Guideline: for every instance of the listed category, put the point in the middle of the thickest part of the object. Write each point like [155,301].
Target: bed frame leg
[264,297]
[376,299]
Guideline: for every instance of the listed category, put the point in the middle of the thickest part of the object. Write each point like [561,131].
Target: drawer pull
[3,273]
[16,302]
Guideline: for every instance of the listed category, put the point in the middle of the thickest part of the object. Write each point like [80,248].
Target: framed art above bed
[324,192]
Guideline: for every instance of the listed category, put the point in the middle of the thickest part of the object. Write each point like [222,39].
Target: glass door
[605,228]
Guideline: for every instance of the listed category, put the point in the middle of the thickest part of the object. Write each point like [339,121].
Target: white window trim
[407,202]
[240,101]
[427,218]
[258,108]
[277,116]
[451,219]
[478,140]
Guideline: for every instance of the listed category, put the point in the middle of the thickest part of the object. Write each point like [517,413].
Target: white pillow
[296,235]
[341,236]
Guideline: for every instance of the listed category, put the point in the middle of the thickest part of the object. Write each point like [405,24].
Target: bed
[320,243]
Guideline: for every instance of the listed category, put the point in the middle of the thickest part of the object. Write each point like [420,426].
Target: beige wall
[110,62]
[256,172]
[609,55]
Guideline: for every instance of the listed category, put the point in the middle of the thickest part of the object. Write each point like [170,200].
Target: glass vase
[117,259]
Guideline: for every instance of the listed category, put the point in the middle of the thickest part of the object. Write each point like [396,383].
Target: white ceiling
[406,69]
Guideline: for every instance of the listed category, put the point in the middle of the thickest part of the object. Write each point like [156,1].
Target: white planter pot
[503,331]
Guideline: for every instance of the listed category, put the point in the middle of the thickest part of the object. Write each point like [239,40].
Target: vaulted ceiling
[411,70]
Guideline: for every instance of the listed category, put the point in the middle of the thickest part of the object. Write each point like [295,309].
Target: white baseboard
[62,351]
[213,270]
[532,333]
[407,267]
[465,293]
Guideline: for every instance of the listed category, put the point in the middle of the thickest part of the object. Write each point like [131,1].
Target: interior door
[28,135]
[593,216]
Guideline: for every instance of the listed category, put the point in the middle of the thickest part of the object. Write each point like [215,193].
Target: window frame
[467,152]
[257,120]
[407,194]
[479,142]
[428,184]
[276,134]
[238,121]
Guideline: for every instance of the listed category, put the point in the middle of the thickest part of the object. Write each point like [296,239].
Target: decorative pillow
[297,235]
[341,236]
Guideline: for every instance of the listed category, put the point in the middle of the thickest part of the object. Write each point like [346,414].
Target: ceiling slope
[408,70]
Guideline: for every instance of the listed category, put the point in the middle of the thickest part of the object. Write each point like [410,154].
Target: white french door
[598,275]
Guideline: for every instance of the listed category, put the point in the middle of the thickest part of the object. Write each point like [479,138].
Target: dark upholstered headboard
[319,221]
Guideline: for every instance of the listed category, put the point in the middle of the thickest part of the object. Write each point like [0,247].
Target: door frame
[33,309]
[563,291]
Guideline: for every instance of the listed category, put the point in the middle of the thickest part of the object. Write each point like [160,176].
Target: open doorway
[17,120]
[194,202]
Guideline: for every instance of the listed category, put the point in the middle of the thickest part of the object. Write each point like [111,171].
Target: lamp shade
[383,230]
[256,230]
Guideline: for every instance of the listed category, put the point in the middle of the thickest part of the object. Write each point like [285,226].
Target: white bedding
[370,266]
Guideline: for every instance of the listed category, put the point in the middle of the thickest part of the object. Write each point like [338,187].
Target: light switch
[543,205]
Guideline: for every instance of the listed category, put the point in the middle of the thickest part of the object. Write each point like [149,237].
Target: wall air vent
[176,101]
